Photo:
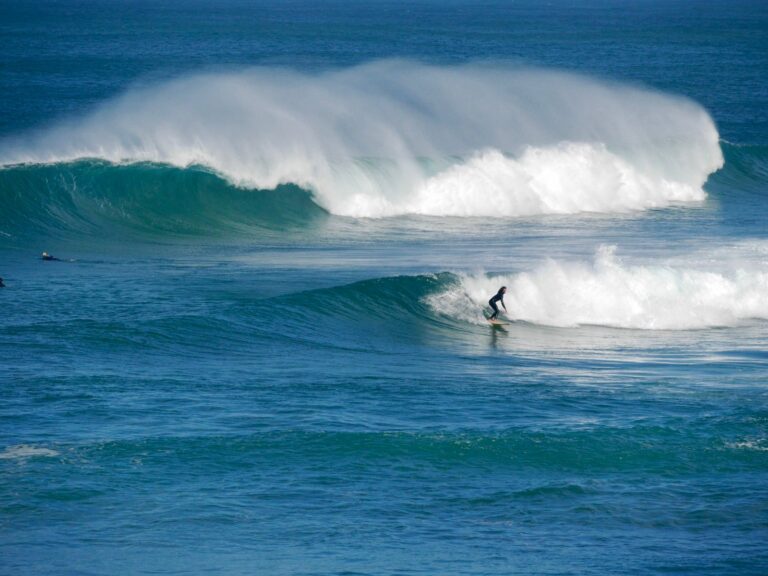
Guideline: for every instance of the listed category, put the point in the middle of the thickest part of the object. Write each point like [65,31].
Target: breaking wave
[396,137]
[728,287]
[608,292]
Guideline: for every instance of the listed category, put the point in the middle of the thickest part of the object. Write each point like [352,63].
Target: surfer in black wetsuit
[1,283]
[48,257]
[499,297]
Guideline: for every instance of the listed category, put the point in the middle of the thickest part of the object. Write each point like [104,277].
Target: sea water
[262,349]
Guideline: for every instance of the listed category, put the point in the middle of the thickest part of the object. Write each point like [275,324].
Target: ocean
[262,350]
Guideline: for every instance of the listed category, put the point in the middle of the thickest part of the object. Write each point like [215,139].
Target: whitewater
[608,292]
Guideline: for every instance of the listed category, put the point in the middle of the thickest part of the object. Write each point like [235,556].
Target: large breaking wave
[397,137]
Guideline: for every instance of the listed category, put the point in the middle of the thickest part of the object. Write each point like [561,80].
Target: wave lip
[607,292]
[398,137]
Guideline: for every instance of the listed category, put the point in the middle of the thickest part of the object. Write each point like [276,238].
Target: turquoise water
[262,349]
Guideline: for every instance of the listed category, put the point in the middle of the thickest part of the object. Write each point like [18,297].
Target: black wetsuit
[499,297]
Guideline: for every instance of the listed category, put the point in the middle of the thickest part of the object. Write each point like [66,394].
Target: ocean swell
[397,137]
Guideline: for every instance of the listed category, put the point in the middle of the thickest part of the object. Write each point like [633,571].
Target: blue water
[262,349]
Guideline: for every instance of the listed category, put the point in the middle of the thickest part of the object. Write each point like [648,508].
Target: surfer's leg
[495,310]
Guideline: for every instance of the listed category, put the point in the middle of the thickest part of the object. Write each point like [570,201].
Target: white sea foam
[398,137]
[758,444]
[22,451]
[562,179]
[608,292]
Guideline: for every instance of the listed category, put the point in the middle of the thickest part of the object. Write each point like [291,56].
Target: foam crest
[397,137]
[608,292]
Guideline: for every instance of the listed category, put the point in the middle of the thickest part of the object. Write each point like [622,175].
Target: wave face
[395,137]
[607,292]
[98,198]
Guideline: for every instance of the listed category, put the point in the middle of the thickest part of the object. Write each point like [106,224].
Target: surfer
[1,283]
[47,256]
[499,297]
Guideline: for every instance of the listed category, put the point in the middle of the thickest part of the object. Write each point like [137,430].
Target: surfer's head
[502,290]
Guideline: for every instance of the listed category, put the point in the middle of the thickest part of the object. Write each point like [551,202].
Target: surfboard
[495,321]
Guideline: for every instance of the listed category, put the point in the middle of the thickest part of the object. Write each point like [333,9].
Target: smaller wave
[607,292]
[23,451]
[376,298]
[599,448]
